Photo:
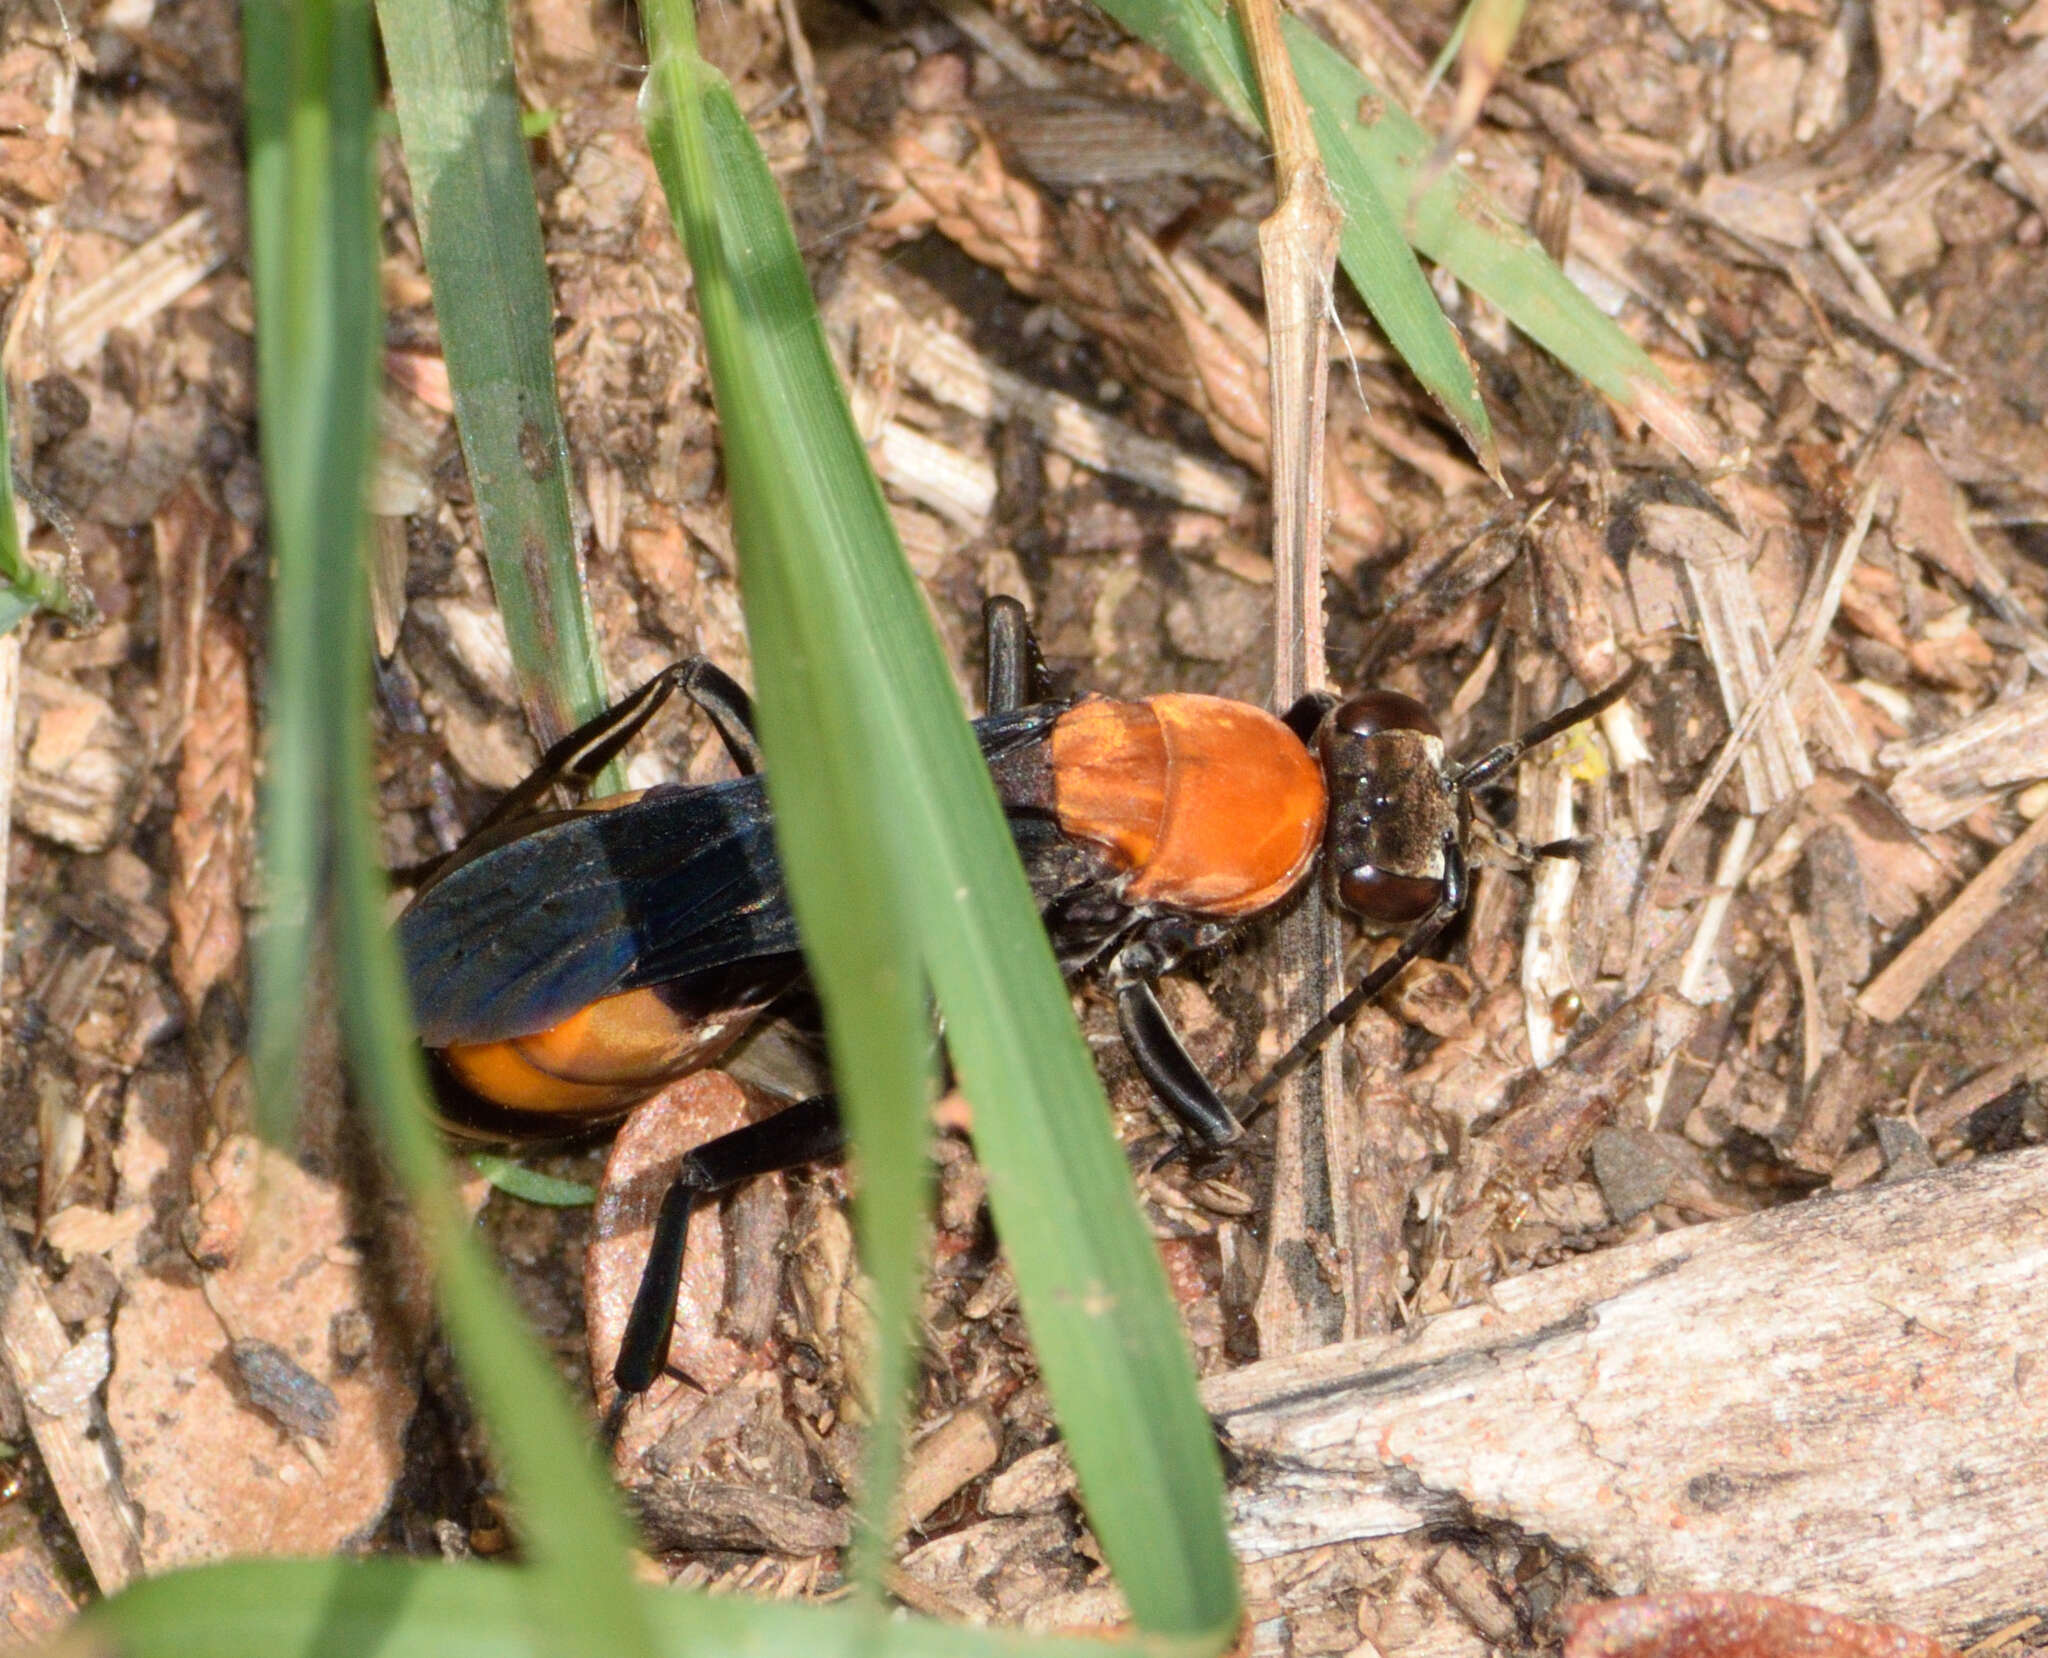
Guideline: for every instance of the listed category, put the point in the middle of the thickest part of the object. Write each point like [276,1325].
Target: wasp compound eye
[1376,711]
[1380,895]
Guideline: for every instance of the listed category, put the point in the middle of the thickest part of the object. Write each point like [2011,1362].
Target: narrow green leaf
[1377,156]
[514,1178]
[458,112]
[24,589]
[313,257]
[857,704]
[1204,40]
[313,242]
[1457,224]
[833,800]
[403,1609]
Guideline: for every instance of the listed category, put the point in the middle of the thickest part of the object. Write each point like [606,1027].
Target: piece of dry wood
[962,1447]
[953,372]
[127,294]
[1896,988]
[1796,656]
[73,1443]
[1716,560]
[1843,1400]
[1943,779]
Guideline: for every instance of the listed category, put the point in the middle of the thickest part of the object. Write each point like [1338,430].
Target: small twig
[1817,607]
[805,67]
[1298,258]
[1899,985]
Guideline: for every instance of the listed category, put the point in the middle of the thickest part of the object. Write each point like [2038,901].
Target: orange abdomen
[1213,806]
[600,1060]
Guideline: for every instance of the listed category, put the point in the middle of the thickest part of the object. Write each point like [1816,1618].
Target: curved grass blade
[856,703]
[458,114]
[313,230]
[313,258]
[403,1609]
[24,589]
[1377,155]
[1206,43]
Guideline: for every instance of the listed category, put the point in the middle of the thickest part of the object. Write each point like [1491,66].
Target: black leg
[1341,1011]
[575,761]
[727,706]
[807,1132]
[1161,1057]
[587,750]
[1016,672]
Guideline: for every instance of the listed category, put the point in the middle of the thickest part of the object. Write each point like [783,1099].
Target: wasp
[565,964]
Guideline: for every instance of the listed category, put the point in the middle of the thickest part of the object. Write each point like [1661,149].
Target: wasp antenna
[1491,764]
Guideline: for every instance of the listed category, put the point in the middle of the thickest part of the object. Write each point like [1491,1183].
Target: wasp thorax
[1393,807]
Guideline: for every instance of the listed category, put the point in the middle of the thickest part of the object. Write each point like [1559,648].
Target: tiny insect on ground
[565,964]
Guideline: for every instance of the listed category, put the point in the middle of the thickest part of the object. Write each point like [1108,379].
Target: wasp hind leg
[806,1132]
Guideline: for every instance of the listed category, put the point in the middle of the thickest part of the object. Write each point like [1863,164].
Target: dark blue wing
[522,935]
[681,883]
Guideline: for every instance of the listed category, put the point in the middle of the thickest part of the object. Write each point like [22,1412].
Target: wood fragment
[1732,1626]
[1898,986]
[962,1447]
[128,293]
[213,828]
[1839,1400]
[1796,656]
[1716,560]
[73,1446]
[1942,779]
[950,370]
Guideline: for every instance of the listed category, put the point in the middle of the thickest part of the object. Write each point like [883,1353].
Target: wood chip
[1716,562]
[948,369]
[962,1447]
[127,294]
[73,1446]
[1732,1626]
[213,827]
[710,1514]
[1839,1400]
[78,763]
[1899,985]
[1943,779]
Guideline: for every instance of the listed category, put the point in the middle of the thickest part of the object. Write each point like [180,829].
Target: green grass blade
[833,795]
[577,1589]
[1206,43]
[313,257]
[458,113]
[403,1609]
[313,240]
[1463,229]
[23,588]
[833,608]
[1377,155]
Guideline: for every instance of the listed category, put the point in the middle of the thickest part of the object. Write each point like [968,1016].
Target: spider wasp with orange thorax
[565,964]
